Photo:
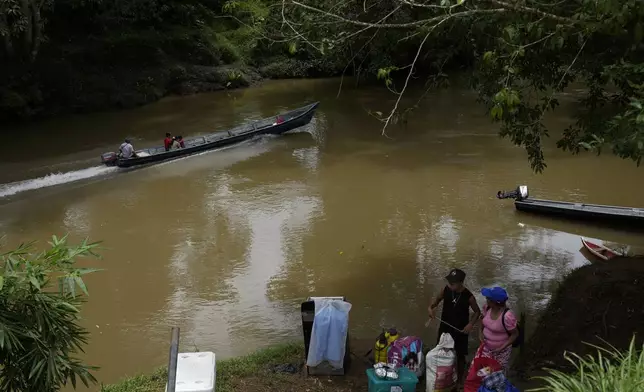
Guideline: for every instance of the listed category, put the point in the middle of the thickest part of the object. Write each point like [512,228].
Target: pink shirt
[493,331]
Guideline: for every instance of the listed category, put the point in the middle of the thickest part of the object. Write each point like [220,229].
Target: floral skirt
[502,357]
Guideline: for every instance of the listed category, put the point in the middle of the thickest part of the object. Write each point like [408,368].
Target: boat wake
[53,179]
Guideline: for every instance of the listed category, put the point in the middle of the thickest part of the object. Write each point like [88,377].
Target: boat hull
[592,212]
[275,129]
[600,251]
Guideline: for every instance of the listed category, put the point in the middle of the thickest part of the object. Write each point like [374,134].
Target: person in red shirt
[167,142]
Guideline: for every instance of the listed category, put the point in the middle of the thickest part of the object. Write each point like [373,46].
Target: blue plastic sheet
[329,334]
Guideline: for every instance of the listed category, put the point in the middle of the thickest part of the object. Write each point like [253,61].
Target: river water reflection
[227,244]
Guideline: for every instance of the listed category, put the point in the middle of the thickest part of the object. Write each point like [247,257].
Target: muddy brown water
[227,244]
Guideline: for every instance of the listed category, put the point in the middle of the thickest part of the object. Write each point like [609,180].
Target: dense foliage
[525,52]
[81,55]
[39,312]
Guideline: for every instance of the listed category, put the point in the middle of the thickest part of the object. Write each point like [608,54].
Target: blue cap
[496,294]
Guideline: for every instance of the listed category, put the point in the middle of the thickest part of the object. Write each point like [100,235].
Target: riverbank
[70,88]
[258,372]
[598,304]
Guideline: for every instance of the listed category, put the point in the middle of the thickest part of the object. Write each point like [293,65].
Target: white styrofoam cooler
[196,372]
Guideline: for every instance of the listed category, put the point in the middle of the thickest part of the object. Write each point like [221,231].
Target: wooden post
[172,361]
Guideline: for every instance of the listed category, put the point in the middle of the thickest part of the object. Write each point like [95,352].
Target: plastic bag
[329,333]
[408,352]
[440,365]
[474,379]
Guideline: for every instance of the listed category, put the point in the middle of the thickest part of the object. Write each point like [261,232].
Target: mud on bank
[600,304]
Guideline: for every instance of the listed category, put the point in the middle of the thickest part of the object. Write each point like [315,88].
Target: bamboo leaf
[34,281]
[81,284]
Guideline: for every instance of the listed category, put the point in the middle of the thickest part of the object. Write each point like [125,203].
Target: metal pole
[172,363]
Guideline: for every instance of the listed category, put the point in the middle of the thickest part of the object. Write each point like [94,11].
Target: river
[227,244]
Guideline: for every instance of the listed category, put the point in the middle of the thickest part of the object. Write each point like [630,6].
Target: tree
[21,26]
[39,313]
[526,52]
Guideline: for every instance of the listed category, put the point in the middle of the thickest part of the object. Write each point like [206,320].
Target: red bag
[474,381]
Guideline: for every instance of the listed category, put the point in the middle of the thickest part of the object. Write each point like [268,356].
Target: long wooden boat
[599,250]
[624,215]
[272,125]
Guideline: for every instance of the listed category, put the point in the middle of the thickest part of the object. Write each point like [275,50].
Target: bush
[39,313]
[609,371]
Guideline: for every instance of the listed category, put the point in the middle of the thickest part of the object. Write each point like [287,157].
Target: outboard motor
[521,193]
[109,158]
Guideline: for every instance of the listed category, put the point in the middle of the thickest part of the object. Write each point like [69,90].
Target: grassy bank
[254,373]
[231,373]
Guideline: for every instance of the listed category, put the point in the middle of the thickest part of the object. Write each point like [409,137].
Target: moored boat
[624,215]
[274,125]
[601,251]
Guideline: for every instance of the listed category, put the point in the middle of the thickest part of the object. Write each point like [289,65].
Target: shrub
[39,313]
[608,371]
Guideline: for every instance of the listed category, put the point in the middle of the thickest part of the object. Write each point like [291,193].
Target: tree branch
[530,10]
[298,34]
[412,3]
[411,71]
[352,61]
[415,24]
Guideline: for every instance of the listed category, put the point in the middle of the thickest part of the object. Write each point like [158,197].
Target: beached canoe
[274,125]
[625,215]
[599,250]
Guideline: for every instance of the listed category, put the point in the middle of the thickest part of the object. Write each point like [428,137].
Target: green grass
[229,372]
[608,371]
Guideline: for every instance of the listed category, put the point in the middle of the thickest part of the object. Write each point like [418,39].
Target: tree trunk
[27,34]
[37,30]
[6,37]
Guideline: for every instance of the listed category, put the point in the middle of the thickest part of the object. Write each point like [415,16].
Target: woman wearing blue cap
[498,328]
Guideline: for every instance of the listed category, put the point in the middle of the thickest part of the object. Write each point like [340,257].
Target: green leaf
[513,98]
[487,56]
[81,284]
[500,97]
[560,42]
[292,48]
[496,112]
[37,368]
[585,145]
[511,32]
[1,282]
[34,281]
[69,306]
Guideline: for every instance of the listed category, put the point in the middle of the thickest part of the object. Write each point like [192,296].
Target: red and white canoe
[600,251]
